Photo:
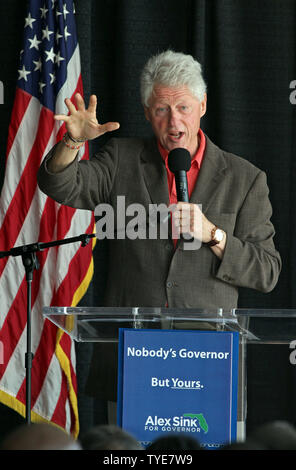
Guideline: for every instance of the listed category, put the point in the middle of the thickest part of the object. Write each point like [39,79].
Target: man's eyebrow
[161,101]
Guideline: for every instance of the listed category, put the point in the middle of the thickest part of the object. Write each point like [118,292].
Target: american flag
[49,71]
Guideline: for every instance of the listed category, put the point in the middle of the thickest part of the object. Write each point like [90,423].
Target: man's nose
[173,118]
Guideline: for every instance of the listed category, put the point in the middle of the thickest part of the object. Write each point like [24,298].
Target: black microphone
[179,162]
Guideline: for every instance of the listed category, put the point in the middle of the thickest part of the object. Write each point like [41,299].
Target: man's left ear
[203,106]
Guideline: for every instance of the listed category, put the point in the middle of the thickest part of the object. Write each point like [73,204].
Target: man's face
[174,114]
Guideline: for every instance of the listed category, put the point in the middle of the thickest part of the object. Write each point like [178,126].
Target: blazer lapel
[155,177]
[154,173]
[210,176]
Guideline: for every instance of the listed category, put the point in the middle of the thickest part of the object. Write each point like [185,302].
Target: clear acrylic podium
[102,324]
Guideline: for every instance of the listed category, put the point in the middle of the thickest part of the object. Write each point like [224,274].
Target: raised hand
[82,123]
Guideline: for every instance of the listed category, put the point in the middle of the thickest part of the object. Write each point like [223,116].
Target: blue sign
[178,381]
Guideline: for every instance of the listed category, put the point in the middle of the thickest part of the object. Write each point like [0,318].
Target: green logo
[202,421]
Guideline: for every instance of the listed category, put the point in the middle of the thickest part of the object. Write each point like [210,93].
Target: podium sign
[180,381]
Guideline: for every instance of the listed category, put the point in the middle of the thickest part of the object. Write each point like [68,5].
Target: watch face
[219,235]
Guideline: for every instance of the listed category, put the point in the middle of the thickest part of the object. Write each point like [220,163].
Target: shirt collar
[197,158]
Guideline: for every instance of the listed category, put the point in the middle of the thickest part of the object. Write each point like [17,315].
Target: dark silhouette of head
[109,437]
[276,435]
[39,436]
[175,441]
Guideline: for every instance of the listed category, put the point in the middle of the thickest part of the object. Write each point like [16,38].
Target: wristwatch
[217,236]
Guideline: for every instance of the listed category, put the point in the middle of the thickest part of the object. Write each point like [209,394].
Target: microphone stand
[30,262]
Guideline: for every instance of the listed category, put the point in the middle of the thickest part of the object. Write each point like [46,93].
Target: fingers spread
[110,126]
[79,102]
[92,105]
[61,117]
[70,106]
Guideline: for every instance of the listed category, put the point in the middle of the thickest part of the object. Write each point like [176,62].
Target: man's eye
[161,110]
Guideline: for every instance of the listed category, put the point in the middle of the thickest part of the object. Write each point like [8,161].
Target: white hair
[172,69]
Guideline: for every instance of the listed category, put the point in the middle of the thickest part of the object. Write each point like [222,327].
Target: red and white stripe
[27,216]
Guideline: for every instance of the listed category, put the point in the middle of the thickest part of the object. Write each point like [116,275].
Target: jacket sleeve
[82,184]
[250,258]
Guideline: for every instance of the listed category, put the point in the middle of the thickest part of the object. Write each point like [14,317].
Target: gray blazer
[149,273]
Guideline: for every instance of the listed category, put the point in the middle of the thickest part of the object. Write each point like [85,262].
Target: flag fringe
[16,405]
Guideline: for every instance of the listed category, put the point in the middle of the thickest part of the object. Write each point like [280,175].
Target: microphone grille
[179,159]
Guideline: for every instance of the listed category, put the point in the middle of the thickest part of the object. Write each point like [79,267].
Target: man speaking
[228,210]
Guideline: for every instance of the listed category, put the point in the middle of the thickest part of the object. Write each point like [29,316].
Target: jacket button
[169,284]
